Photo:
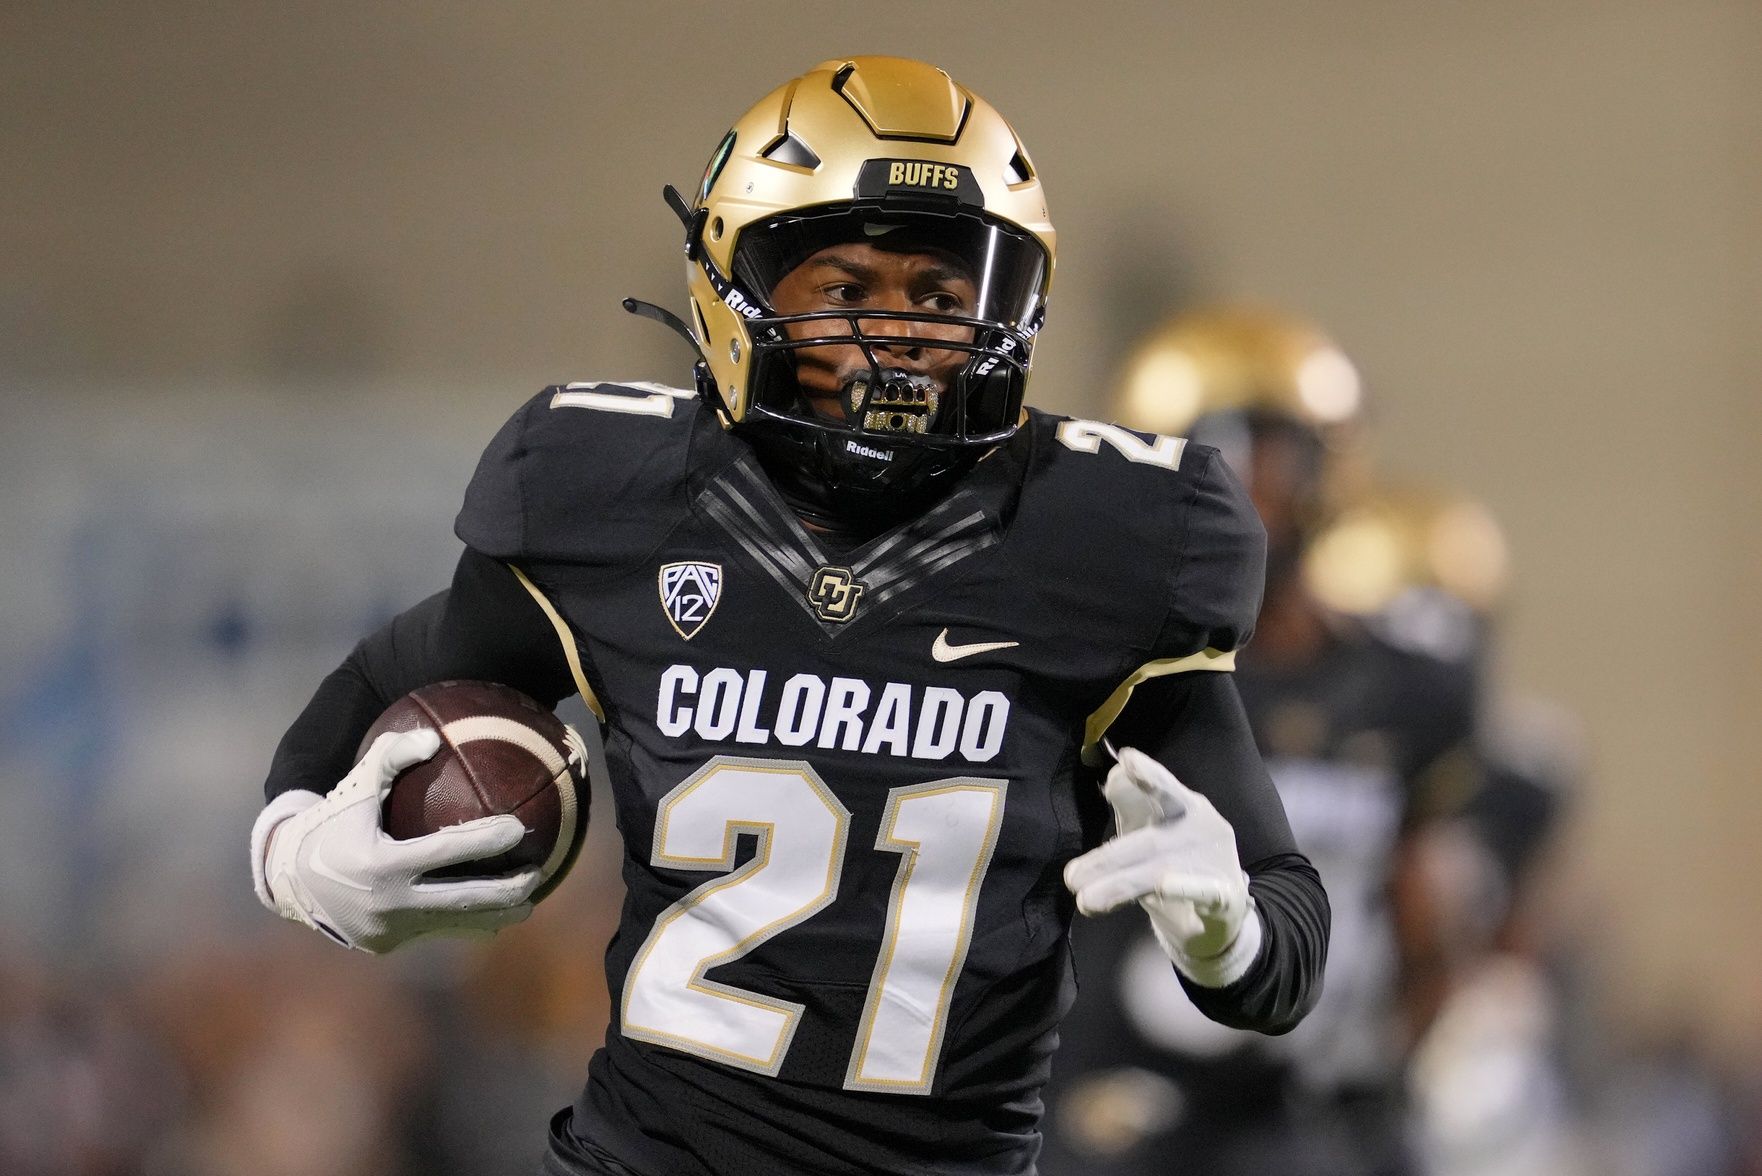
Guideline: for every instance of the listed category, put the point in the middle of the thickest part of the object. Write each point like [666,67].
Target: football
[500,752]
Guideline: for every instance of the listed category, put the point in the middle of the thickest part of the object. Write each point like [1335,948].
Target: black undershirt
[1194,725]
[487,627]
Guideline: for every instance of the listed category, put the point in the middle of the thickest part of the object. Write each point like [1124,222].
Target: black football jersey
[1361,740]
[846,778]
[1365,739]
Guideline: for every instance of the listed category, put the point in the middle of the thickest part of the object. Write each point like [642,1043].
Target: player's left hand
[1176,855]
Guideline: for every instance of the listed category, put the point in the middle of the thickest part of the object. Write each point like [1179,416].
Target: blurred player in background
[1427,568]
[1486,1073]
[853,617]
[1367,724]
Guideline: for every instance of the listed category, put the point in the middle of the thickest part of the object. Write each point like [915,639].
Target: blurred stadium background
[270,275]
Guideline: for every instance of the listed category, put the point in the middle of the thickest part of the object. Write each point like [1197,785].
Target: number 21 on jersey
[944,832]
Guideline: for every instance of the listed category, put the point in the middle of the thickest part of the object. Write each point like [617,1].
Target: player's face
[1282,483]
[858,276]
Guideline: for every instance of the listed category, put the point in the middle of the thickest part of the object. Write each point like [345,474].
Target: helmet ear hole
[716,229]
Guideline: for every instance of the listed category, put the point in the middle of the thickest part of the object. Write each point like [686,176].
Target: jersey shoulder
[1431,662]
[586,473]
[1166,519]
[1429,700]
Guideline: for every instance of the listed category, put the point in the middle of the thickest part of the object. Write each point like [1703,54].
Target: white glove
[1176,855]
[325,861]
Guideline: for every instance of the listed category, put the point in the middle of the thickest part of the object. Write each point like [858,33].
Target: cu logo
[834,594]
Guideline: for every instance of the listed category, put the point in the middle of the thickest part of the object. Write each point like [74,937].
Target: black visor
[1007,266]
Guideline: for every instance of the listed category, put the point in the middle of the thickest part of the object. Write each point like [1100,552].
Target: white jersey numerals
[1087,436]
[801,829]
[658,401]
[945,832]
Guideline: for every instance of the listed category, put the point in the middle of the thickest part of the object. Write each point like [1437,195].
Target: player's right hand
[326,862]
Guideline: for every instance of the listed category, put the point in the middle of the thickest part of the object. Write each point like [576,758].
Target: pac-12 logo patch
[689,592]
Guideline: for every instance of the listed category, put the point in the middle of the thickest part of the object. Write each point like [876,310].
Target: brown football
[500,752]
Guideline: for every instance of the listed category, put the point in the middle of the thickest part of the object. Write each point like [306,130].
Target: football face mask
[889,334]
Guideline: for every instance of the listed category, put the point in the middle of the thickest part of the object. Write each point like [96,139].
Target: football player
[854,619]
[1429,568]
[1366,728]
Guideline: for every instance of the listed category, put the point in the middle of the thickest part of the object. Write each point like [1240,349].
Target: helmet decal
[714,167]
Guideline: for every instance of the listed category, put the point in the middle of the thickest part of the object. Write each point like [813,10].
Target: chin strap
[662,315]
[700,371]
[692,219]
[791,467]
[848,516]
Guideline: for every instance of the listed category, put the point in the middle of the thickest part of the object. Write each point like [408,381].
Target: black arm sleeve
[1194,724]
[486,626]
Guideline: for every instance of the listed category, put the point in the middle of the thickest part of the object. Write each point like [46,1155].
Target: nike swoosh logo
[323,869]
[942,651]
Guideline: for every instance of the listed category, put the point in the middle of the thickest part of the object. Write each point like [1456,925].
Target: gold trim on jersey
[567,637]
[1097,724]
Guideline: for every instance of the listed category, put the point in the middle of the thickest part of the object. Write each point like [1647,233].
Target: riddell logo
[738,303]
[1006,346]
[865,451]
[922,175]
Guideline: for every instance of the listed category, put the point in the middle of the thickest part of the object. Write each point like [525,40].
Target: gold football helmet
[1239,360]
[1273,393]
[894,155]
[1400,538]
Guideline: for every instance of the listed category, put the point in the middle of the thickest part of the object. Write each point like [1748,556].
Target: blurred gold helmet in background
[1271,392]
[1397,539]
[1238,359]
